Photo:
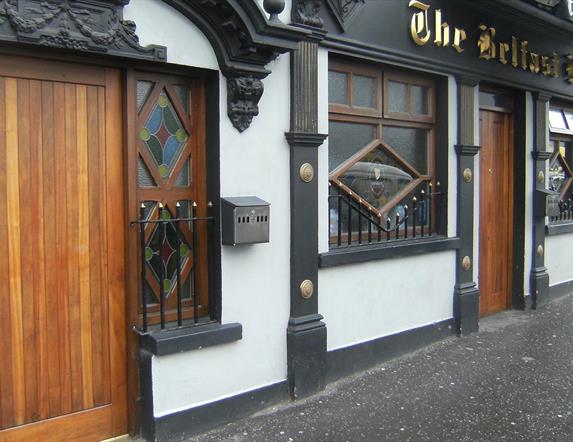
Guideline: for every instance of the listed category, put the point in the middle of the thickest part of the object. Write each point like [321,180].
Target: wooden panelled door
[496,211]
[62,305]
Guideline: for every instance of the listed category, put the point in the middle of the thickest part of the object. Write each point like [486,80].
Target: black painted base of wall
[466,308]
[348,360]
[539,287]
[306,356]
[187,423]
[561,289]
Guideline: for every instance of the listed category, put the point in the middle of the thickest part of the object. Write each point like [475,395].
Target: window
[174,216]
[560,177]
[382,176]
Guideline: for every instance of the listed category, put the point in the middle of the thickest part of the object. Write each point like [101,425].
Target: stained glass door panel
[171,170]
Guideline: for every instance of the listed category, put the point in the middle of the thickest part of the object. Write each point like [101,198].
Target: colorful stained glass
[161,253]
[164,135]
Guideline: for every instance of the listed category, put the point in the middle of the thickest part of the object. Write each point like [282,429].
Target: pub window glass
[560,176]
[381,165]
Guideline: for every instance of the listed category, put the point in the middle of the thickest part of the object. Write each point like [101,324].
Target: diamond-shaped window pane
[558,174]
[377,177]
[164,135]
[161,253]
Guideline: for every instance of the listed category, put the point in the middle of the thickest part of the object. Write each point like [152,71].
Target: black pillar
[466,294]
[539,277]
[306,333]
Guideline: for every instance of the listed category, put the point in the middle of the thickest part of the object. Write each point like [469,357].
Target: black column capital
[305,139]
[541,155]
[467,80]
[467,150]
[541,96]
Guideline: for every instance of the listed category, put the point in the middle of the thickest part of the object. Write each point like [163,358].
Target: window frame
[438,164]
[381,119]
[557,135]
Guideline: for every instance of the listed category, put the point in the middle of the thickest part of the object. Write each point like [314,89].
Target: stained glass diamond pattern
[161,253]
[164,135]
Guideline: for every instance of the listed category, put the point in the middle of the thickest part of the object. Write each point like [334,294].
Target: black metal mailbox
[245,220]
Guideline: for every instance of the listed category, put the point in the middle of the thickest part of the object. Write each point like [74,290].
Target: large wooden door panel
[496,211]
[62,305]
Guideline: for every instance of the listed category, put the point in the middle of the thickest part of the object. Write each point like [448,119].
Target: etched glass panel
[164,135]
[144,178]
[183,93]
[184,177]
[143,90]
[411,144]
[397,96]
[346,139]
[377,177]
[363,91]
[419,96]
[337,87]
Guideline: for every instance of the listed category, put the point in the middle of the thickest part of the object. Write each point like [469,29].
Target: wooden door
[496,211]
[62,320]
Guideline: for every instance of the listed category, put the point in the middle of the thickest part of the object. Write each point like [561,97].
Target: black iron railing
[352,221]
[191,314]
[565,212]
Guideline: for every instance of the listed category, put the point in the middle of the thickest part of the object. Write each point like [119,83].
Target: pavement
[511,381]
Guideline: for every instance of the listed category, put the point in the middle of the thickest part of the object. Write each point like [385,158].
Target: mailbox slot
[245,220]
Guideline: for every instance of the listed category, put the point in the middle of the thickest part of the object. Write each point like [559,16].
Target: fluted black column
[539,277]
[306,333]
[466,294]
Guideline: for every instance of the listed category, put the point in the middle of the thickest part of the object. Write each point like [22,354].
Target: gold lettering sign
[515,53]
[521,56]
[419,24]
[421,32]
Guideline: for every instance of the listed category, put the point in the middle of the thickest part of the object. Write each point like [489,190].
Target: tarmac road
[511,381]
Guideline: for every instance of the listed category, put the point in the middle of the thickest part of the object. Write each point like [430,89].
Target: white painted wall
[558,258]
[162,25]
[255,278]
[365,301]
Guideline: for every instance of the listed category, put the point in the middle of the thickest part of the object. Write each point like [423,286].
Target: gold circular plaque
[466,263]
[306,289]
[306,172]
[468,175]
[539,250]
[541,177]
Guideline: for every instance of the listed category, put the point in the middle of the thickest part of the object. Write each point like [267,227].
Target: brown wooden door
[62,320]
[496,211]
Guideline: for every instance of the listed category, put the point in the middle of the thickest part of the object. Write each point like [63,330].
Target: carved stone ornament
[307,12]
[243,98]
[561,8]
[84,25]
[244,42]
[345,10]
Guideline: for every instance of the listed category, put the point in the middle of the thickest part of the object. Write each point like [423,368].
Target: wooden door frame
[519,186]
